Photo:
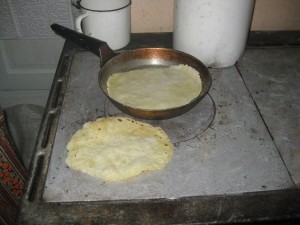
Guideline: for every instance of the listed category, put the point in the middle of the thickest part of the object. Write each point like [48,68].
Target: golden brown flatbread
[118,148]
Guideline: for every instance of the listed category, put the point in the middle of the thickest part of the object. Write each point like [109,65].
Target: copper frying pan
[112,62]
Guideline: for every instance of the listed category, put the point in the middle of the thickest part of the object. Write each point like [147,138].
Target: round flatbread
[118,148]
[155,88]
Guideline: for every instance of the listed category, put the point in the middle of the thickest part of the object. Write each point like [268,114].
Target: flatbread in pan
[155,88]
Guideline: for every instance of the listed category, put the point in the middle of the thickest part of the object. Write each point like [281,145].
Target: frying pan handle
[98,47]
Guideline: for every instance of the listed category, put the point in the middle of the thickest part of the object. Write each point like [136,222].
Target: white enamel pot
[214,31]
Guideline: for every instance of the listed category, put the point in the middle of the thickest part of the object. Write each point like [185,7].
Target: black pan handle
[96,46]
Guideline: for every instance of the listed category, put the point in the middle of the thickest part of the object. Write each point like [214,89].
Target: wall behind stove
[157,16]
[29,50]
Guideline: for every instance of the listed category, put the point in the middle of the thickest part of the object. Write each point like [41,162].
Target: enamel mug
[106,20]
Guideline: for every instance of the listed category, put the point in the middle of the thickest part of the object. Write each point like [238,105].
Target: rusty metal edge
[254,207]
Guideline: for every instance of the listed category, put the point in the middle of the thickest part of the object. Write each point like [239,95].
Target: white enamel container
[214,31]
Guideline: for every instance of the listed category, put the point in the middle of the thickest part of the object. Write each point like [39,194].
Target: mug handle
[78,22]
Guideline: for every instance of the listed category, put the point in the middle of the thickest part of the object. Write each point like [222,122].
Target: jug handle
[78,22]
